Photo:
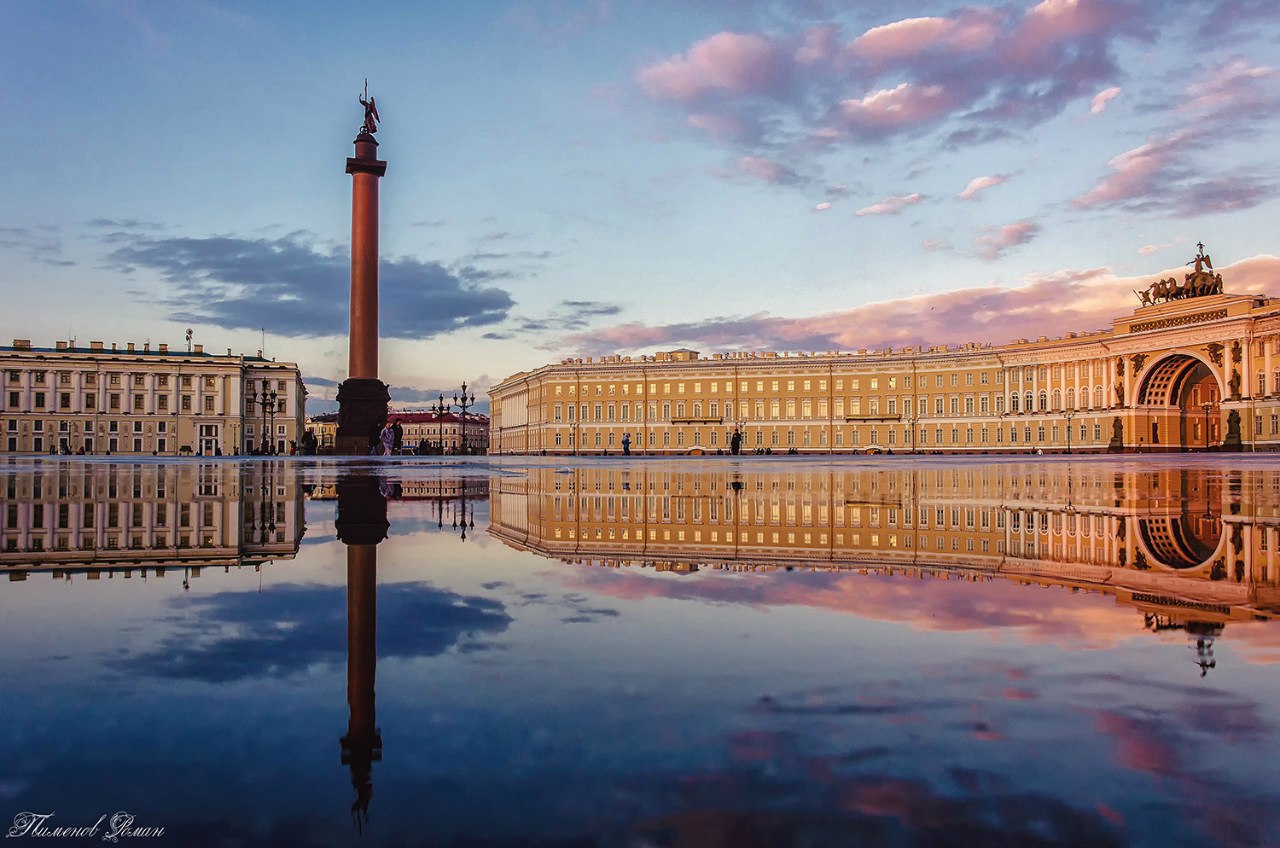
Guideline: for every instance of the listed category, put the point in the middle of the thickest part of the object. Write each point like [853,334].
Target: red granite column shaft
[363,359]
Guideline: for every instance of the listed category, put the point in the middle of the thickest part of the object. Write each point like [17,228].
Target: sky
[591,177]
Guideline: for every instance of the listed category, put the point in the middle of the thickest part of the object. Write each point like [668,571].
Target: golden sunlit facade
[1169,542]
[1194,373]
[140,400]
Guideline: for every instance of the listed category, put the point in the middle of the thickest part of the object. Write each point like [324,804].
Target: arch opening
[1181,398]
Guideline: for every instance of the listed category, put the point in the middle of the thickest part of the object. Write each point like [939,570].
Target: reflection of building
[118,517]
[1170,376]
[1177,543]
[144,401]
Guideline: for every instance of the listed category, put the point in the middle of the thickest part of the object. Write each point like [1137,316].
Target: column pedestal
[362,406]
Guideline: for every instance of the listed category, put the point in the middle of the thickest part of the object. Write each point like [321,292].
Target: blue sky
[590,177]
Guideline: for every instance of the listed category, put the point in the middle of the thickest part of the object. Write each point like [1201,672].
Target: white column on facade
[1268,388]
[1248,381]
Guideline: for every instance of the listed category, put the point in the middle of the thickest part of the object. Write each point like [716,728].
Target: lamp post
[440,408]
[1069,414]
[464,402]
[1206,406]
[268,400]
[274,407]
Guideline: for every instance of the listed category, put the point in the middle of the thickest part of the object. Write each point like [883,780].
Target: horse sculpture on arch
[1197,283]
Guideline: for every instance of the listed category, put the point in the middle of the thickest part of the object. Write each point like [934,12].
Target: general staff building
[1193,368]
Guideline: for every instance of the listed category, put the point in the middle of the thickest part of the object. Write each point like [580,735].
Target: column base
[362,406]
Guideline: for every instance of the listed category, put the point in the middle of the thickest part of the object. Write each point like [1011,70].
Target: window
[208,404]
[39,400]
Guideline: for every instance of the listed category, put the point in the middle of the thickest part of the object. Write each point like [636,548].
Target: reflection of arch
[1180,541]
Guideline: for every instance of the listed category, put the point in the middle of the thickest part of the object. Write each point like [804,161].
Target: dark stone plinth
[1232,443]
[362,406]
[362,511]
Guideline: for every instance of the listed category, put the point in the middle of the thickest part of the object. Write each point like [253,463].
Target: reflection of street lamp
[1069,414]
[1206,406]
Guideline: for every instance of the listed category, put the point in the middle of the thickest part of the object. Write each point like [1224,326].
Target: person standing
[735,442]
[626,444]
[388,439]
[398,432]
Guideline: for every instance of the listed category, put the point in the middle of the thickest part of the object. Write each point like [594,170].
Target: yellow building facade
[140,400]
[1191,373]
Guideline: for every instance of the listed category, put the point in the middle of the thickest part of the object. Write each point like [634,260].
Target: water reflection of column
[361,525]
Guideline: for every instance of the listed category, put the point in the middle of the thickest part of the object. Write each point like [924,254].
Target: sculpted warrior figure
[371,117]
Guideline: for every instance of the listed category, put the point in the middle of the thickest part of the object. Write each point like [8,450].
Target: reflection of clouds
[246,635]
[1039,614]
[1141,744]
[574,604]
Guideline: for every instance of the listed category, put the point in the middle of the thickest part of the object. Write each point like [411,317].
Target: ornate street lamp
[268,399]
[1069,414]
[440,408]
[1206,406]
[464,402]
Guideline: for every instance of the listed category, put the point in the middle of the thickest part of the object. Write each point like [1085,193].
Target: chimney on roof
[131,347]
[228,351]
[22,344]
[146,347]
[113,347]
[95,345]
[199,348]
[60,345]
[259,354]
[164,348]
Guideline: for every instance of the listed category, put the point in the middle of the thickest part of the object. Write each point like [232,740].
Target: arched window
[1071,398]
[1013,403]
[1030,402]
[1057,399]
[1044,402]
[1097,397]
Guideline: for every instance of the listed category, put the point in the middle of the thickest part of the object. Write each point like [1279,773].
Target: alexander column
[362,397]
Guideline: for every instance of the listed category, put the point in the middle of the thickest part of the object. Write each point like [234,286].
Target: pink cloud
[891,205]
[1099,102]
[978,184]
[728,63]
[1055,21]
[769,170]
[994,242]
[823,206]
[1230,86]
[1134,174]
[1045,304]
[972,30]
[905,104]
